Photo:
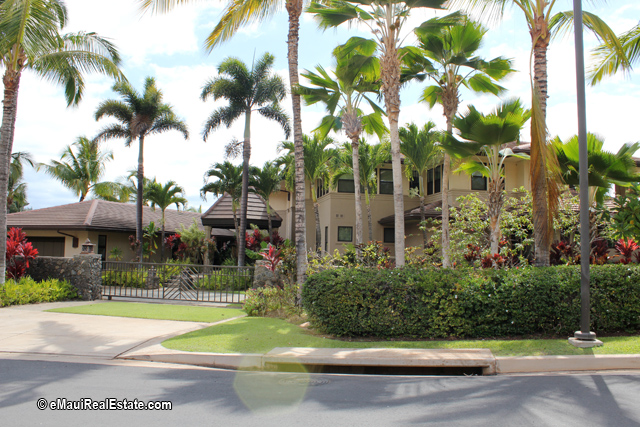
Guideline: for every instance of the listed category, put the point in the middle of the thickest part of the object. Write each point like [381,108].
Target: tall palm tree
[229,180]
[609,60]
[265,182]
[450,45]
[317,157]
[236,15]
[246,91]
[543,23]
[138,116]
[483,150]
[17,189]
[164,196]
[421,152]
[352,84]
[385,19]
[32,40]
[80,170]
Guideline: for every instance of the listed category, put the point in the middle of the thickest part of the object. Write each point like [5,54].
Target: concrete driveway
[30,330]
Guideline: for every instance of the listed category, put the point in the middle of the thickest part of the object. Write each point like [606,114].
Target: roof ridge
[92,210]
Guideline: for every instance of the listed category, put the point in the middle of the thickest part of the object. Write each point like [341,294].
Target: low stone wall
[82,271]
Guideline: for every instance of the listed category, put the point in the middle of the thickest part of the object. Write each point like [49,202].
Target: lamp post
[584,337]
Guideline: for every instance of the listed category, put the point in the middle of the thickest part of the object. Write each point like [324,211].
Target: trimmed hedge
[28,291]
[440,303]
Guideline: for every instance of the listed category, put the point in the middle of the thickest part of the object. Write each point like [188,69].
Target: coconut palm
[246,91]
[450,45]
[543,23]
[229,180]
[80,167]
[421,152]
[317,157]
[236,15]
[17,189]
[32,39]
[608,59]
[483,150]
[265,182]
[164,196]
[138,116]
[385,19]
[343,92]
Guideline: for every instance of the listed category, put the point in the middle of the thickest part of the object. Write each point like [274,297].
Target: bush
[272,301]
[28,291]
[130,279]
[222,280]
[438,303]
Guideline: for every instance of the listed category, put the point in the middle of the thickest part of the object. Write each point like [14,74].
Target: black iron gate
[224,284]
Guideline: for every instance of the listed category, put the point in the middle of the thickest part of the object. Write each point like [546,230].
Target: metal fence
[208,283]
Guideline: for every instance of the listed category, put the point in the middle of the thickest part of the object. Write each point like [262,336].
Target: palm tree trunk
[494,210]
[269,222]
[244,195]
[423,218]
[316,211]
[368,202]
[358,198]
[450,109]
[11,82]
[162,239]
[140,193]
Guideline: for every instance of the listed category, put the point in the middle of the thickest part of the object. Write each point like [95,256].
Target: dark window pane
[415,181]
[389,235]
[102,246]
[429,182]
[437,179]
[386,181]
[346,184]
[345,234]
[478,182]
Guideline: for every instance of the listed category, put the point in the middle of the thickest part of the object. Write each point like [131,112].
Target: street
[202,396]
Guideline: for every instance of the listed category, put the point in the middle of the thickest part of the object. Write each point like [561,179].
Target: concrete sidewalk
[29,330]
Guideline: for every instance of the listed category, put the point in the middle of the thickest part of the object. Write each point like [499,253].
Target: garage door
[48,246]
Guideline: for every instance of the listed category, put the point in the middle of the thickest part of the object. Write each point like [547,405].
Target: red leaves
[272,255]
[19,253]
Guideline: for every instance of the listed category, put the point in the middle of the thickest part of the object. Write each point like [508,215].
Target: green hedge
[440,303]
[130,279]
[28,291]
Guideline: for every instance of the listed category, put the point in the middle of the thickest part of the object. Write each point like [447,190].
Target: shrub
[18,254]
[130,279]
[273,301]
[28,291]
[436,303]
[225,280]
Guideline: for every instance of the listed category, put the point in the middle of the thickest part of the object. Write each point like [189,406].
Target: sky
[170,48]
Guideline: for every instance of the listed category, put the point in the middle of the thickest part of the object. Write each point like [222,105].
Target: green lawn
[155,311]
[260,335]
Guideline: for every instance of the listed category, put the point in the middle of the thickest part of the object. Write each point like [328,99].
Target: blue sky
[169,47]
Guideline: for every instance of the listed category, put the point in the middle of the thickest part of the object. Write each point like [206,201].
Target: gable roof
[99,215]
[220,214]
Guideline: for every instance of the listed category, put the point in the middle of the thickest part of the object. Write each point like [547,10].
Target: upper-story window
[478,181]
[434,180]
[321,188]
[414,182]
[346,184]
[386,181]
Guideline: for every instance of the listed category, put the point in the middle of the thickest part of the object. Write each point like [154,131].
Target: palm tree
[17,189]
[609,60]
[265,182]
[385,19]
[80,170]
[484,151]
[350,86]
[542,24]
[421,152]
[317,157]
[246,91]
[450,45]
[164,196]
[32,40]
[138,116]
[229,181]
[237,14]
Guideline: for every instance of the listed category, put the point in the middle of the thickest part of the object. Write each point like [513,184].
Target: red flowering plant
[626,248]
[19,253]
[254,240]
[272,256]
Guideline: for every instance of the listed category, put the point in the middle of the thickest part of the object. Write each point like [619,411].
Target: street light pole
[584,337]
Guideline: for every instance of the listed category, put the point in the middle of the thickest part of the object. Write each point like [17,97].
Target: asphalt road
[216,397]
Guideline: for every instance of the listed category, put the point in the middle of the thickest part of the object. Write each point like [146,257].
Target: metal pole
[585,236]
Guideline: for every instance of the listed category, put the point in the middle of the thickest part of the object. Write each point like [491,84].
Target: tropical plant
[229,180]
[164,196]
[138,116]
[542,24]
[16,188]
[18,253]
[317,156]
[246,91]
[626,220]
[608,60]
[450,45]
[32,39]
[149,244]
[484,151]
[385,19]
[265,182]
[354,80]
[80,167]
[421,151]
[625,249]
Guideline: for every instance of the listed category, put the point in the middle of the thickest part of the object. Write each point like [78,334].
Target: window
[478,182]
[386,181]
[346,184]
[102,246]
[321,188]
[414,182]
[345,234]
[389,235]
[326,239]
[434,180]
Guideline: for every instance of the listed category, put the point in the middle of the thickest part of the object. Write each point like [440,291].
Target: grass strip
[261,335]
[154,311]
